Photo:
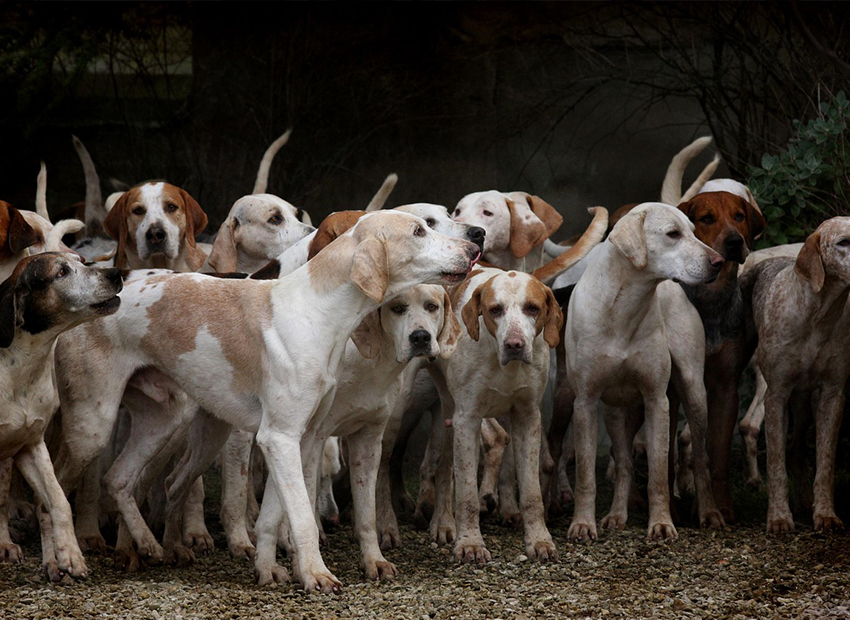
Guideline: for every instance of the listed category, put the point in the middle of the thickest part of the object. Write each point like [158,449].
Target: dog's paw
[55,575]
[542,551]
[243,551]
[779,521]
[661,531]
[443,532]
[11,553]
[828,523]
[712,520]
[179,555]
[94,543]
[389,539]
[150,552]
[271,575]
[321,581]
[613,521]
[380,570]
[199,542]
[70,560]
[471,552]
[581,531]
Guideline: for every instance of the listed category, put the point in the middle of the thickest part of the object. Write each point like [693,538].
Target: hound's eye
[431,306]
[398,309]
[64,272]
[487,213]
[844,243]
[170,207]
[140,210]
[531,310]
[496,311]
[739,217]
[275,219]
[456,212]
[419,231]
[708,220]
[674,234]
[431,222]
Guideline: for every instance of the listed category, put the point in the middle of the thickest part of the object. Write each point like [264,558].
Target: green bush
[809,181]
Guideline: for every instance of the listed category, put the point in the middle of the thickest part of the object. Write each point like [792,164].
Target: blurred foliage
[809,180]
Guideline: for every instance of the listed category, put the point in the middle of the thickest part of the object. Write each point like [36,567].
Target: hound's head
[516,308]
[395,251]
[156,218]
[437,217]
[416,323]
[52,292]
[826,254]
[513,221]
[727,222]
[659,240]
[258,228]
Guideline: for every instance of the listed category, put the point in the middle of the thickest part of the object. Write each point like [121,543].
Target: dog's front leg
[828,423]
[235,469]
[779,518]
[621,450]
[283,455]
[526,434]
[470,546]
[60,549]
[585,430]
[9,551]
[364,455]
[657,422]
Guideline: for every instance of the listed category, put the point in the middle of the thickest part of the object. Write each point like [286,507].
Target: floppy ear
[452,331]
[471,312]
[223,257]
[370,271]
[554,320]
[368,336]
[686,208]
[809,265]
[527,231]
[196,219]
[629,238]
[115,225]
[21,234]
[550,217]
[11,315]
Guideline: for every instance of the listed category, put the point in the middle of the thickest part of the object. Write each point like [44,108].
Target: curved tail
[41,192]
[94,213]
[592,236]
[378,200]
[262,180]
[671,188]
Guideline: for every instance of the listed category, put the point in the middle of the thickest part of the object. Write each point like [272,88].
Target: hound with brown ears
[802,316]
[155,225]
[499,372]
[628,332]
[45,295]
[274,373]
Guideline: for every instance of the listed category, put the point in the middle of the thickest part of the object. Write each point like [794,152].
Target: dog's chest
[26,407]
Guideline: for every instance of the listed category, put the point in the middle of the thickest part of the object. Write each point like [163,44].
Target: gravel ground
[738,573]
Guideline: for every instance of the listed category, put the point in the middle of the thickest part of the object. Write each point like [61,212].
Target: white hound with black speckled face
[45,295]
[626,331]
[262,355]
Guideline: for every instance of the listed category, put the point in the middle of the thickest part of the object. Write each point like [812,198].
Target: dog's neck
[828,306]
[188,259]
[720,305]
[29,355]
[504,259]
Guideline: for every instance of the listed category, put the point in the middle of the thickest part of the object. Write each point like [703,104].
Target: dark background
[579,103]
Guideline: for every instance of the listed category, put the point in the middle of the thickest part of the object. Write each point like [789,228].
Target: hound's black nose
[476,235]
[155,235]
[420,339]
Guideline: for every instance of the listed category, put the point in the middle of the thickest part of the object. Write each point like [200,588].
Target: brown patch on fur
[230,313]
[332,227]
[550,321]
[809,265]
[15,233]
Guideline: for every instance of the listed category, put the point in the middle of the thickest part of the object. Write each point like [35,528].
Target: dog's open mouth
[107,307]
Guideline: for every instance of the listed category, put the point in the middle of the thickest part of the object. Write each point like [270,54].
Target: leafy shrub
[809,181]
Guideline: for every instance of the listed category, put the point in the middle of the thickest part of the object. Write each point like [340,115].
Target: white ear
[370,270]
[629,238]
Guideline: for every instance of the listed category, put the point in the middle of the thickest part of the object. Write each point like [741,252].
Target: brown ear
[809,264]
[629,238]
[196,219]
[686,208]
[471,311]
[554,320]
[115,225]
[332,227]
[368,336]
[527,231]
[21,235]
[451,332]
[370,270]
[223,257]
[550,217]
[755,220]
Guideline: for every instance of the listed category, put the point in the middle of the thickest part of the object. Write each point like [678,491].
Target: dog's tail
[94,213]
[60,229]
[704,176]
[671,188]
[378,200]
[592,236]
[41,192]
[262,181]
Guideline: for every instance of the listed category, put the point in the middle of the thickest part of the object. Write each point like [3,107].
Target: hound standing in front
[621,346]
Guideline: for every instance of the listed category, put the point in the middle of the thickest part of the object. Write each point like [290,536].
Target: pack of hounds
[133,357]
